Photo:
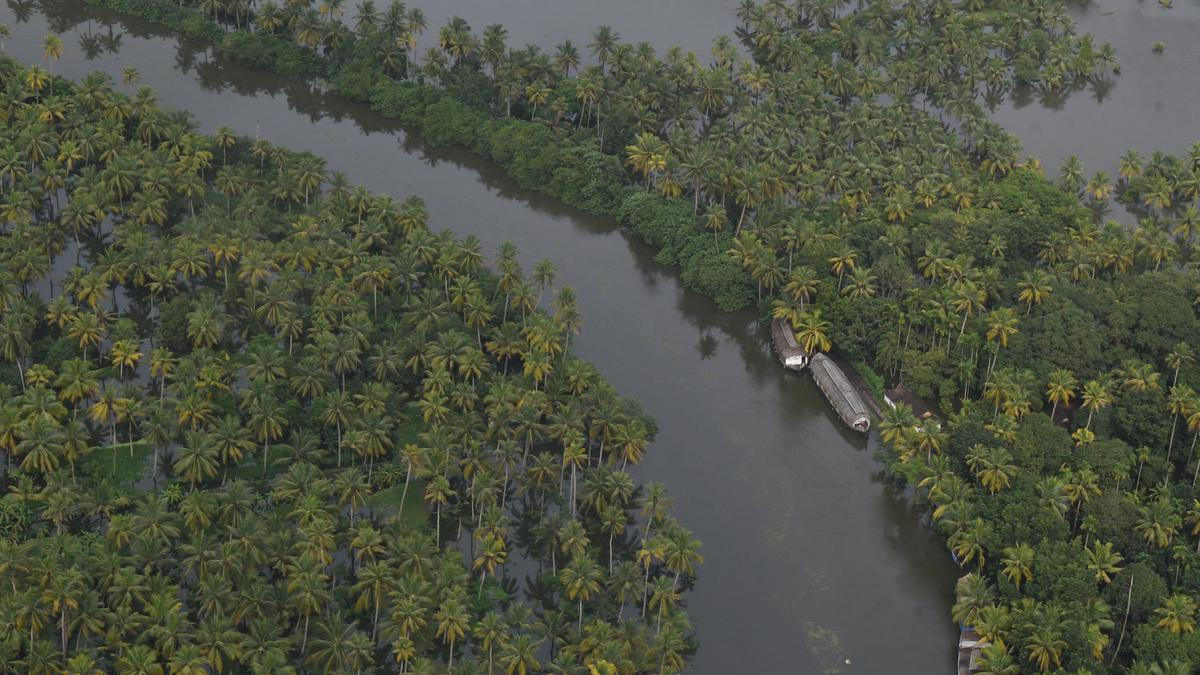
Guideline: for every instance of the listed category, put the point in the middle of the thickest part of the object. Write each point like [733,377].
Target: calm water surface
[1151,105]
[811,560]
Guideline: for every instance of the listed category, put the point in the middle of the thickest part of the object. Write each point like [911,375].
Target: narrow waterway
[811,559]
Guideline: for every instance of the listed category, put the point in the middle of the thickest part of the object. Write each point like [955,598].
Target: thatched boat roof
[791,354]
[842,396]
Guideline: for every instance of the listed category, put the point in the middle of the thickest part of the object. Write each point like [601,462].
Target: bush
[271,52]
[589,179]
[186,20]
[874,381]
[404,102]
[668,224]
[656,220]
[357,82]
[719,277]
[449,122]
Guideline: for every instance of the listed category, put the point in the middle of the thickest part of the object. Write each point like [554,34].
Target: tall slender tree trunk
[645,591]
[1128,602]
[572,489]
[404,493]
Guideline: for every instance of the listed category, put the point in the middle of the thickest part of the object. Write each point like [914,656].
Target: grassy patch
[115,463]
[409,432]
[387,501]
[251,466]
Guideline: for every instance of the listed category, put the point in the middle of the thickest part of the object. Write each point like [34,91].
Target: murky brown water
[810,559]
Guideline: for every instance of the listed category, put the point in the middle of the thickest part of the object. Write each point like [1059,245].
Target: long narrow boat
[791,354]
[842,396]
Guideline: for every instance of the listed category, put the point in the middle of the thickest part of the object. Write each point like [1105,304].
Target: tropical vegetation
[836,165]
[257,419]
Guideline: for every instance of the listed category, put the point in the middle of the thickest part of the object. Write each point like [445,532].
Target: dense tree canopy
[255,418]
[833,161]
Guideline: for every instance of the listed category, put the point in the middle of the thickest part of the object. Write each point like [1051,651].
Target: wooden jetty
[791,354]
[838,390]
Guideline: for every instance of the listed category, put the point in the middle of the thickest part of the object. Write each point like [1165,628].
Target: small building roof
[920,408]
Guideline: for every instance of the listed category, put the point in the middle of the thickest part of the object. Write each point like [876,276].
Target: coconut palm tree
[1044,649]
[581,580]
[1157,522]
[812,332]
[1095,397]
[52,50]
[1177,614]
[453,622]
[1034,287]
[1060,389]
[519,655]
[1103,561]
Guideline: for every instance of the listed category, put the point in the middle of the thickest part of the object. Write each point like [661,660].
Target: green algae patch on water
[826,647]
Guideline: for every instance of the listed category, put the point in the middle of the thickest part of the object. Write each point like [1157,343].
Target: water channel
[813,563]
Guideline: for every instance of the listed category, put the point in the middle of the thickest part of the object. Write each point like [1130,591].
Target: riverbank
[558,160]
[555,159]
[794,486]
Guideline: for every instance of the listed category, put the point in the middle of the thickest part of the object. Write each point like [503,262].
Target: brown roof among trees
[902,394]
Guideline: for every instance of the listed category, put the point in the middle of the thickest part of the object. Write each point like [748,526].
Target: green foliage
[1149,589]
[874,381]
[939,258]
[315,349]
[450,122]
[668,225]
[271,52]
[1041,446]
[717,276]
[389,500]
[171,327]
[186,20]
[117,464]
[1136,417]
[404,101]
[1060,334]
[1152,644]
